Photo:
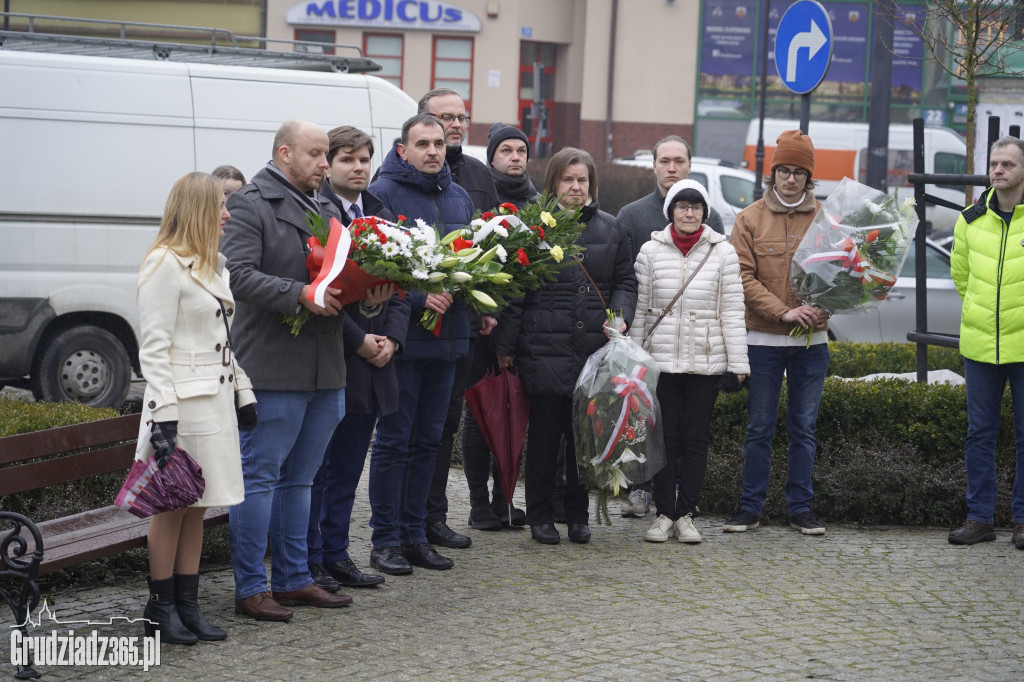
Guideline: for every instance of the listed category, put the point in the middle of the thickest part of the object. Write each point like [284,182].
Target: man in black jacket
[473,176]
[508,150]
[372,382]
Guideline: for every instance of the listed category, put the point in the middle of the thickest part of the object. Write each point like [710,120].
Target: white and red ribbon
[626,386]
[336,254]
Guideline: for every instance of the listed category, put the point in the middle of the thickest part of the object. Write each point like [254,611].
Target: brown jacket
[765,235]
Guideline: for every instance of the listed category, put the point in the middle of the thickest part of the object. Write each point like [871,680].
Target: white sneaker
[637,506]
[661,531]
[686,531]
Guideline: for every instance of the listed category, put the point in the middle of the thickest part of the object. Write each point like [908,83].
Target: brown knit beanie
[793,148]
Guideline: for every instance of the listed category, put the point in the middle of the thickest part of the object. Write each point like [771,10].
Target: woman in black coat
[552,332]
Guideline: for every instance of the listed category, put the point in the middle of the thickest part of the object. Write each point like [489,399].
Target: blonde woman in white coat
[184,301]
[701,336]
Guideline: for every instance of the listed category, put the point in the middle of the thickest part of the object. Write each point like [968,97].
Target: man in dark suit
[299,380]
[372,382]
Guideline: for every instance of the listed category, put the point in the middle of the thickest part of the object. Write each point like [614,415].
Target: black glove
[247,417]
[164,435]
[730,383]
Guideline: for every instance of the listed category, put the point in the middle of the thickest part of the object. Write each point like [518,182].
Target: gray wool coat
[265,246]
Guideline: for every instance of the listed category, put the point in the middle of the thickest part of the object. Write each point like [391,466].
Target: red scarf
[685,242]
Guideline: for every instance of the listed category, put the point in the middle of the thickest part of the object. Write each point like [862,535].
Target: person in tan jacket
[765,235]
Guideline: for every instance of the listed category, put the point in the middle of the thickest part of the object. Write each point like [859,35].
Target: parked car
[730,187]
[898,314]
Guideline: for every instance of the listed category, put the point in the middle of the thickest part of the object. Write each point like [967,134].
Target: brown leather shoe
[313,595]
[262,607]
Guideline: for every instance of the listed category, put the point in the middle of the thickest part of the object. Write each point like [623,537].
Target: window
[453,66]
[936,263]
[737,191]
[952,163]
[314,36]
[387,50]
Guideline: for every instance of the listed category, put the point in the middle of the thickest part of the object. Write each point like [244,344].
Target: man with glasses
[473,176]
[765,235]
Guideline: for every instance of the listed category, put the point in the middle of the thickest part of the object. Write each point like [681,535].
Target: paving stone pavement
[858,603]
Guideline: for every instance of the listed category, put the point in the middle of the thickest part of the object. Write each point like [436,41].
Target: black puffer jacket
[555,329]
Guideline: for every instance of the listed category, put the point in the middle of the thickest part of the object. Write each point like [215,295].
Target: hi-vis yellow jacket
[987,266]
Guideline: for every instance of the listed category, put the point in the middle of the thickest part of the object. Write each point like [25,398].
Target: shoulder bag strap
[679,293]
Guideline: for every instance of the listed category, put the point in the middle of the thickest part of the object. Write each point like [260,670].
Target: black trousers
[550,422]
[687,402]
[476,458]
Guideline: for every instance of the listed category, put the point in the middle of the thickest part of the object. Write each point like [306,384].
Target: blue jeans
[402,463]
[985,385]
[334,488]
[280,457]
[804,369]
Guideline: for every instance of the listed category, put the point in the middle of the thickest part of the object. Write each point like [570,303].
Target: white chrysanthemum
[500,231]
[417,273]
[479,222]
[501,253]
[424,252]
[390,250]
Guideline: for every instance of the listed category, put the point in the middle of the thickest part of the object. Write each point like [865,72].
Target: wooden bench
[70,453]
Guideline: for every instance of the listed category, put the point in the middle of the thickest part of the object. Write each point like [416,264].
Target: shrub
[889,451]
[862,359]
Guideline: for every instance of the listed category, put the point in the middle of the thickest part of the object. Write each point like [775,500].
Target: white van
[841,150]
[92,147]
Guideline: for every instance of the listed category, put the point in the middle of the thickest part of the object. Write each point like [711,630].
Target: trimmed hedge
[889,452]
[861,359]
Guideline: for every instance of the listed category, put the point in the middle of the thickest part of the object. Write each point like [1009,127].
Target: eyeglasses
[448,118]
[785,173]
[687,208]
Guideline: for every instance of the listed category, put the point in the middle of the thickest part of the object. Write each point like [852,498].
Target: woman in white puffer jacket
[699,337]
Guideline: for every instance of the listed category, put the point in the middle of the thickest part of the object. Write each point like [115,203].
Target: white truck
[93,145]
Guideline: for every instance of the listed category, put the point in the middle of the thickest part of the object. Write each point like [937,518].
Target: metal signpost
[803,51]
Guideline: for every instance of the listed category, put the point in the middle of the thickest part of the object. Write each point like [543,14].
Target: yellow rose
[547,219]
[557,254]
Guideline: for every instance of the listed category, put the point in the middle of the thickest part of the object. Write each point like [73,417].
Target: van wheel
[86,364]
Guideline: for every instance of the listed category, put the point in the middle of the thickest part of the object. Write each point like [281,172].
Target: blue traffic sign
[803,46]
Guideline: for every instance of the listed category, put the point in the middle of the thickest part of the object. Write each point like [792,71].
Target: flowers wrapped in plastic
[616,418]
[853,251]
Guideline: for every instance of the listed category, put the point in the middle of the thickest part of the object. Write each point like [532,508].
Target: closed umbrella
[502,412]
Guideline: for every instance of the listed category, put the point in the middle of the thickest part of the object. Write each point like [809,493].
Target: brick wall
[627,137]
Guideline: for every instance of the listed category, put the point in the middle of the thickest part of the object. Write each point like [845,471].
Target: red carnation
[401,218]
[591,407]
[511,208]
[522,258]
[540,232]
[486,215]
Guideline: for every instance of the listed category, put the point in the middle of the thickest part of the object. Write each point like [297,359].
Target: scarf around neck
[514,188]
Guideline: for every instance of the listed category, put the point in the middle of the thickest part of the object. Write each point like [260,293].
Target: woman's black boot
[163,616]
[186,600]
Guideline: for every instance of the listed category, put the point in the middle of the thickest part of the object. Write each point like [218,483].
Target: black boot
[163,616]
[186,600]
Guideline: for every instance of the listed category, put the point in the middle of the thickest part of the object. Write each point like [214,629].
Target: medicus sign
[395,14]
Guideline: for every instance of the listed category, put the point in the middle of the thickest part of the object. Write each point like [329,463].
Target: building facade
[569,72]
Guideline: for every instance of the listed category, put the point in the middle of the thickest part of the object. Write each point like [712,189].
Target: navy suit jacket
[366,382]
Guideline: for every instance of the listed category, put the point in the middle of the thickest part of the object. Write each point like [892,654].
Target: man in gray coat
[299,380]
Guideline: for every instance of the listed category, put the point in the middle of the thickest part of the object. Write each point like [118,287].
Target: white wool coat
[705,331]
[183,361]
